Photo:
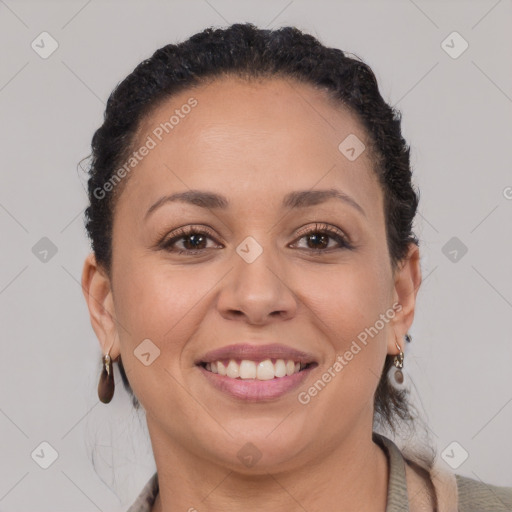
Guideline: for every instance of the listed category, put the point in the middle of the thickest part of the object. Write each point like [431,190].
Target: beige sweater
[451,492]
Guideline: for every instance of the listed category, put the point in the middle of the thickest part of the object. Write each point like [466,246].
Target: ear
[407,283]
[97,290]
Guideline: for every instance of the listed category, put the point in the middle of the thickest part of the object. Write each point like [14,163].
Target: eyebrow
[293,200]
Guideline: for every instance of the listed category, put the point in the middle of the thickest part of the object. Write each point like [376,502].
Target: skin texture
[254,143]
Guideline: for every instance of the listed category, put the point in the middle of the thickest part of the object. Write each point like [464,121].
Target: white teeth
[280,368]
[247,369]
[265,370]
[233,370]
[221,369]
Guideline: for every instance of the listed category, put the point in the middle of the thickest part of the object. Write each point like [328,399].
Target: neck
[354,476]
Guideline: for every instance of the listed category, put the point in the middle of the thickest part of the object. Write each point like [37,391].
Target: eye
[194,241]
[319,237]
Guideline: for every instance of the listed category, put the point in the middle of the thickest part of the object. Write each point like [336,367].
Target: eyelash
[323,229]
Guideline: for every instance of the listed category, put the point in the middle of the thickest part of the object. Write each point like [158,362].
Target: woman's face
[259,158]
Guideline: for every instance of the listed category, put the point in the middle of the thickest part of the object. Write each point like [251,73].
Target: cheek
[162,303]
[346,306]
[345,299]
[165,307]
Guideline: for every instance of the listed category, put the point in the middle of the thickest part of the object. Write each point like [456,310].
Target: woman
[254,274]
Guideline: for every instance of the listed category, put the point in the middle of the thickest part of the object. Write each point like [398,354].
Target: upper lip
[256,353]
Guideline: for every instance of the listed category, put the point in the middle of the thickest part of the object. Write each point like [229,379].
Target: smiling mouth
[246,369]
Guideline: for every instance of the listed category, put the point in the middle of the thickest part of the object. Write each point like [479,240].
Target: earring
[106,384]
[399,362]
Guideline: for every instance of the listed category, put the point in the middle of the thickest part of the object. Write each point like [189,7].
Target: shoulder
[477,496]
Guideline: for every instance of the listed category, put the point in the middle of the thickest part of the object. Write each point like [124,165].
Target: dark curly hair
[243,50]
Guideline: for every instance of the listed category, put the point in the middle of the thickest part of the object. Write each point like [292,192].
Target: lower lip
[254,390]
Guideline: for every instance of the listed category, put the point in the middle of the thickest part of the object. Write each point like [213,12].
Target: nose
[257,292]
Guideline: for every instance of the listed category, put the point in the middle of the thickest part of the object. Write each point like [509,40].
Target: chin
[257,452]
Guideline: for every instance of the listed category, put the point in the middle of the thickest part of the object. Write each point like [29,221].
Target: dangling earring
[106,384]
[399,362]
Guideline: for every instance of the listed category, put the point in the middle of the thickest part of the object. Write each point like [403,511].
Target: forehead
[277,105]
[264,135]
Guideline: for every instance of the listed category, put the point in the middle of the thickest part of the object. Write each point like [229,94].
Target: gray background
[456,116]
